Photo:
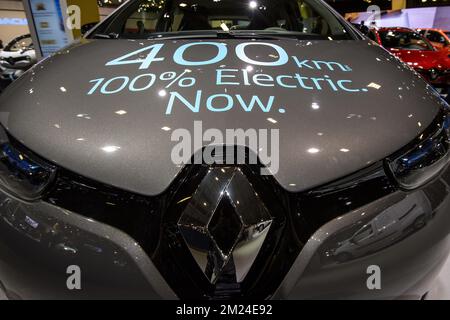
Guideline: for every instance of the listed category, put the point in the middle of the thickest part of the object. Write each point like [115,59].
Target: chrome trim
[205,225]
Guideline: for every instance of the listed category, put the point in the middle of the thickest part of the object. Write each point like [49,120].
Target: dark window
[403,39]
[436,37]
[20,43]
[141,18]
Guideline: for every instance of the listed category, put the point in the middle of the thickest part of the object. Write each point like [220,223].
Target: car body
[395,222]
[90,177]
[439,38]
[432,64]
[17,57]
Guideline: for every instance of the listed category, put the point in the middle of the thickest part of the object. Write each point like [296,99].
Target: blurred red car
[417,52]
[440,39]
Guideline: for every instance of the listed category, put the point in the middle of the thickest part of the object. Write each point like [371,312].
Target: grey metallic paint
[33,261]
[404,273]
[371,125]
[32,269]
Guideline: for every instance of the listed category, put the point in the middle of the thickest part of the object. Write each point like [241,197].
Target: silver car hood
[124,139]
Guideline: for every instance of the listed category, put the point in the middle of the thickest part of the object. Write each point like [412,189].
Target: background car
[17,57]
[88,175]
[416,51]
[439,38]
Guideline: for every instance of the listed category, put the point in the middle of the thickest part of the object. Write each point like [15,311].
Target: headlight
[22,173]
[422,160]
[433,74]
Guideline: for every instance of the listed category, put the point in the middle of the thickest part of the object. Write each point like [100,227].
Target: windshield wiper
[261,35]
[111,35]
[184,35]
[234,35]
[283,35]
[218,34]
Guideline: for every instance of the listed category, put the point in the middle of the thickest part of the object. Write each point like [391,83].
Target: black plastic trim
[151,222]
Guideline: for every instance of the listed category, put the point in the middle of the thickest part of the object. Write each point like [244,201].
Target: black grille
[151,221]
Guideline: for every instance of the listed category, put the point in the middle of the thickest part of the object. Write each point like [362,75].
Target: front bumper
[39,241]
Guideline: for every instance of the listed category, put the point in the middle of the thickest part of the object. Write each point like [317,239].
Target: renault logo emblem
[225,224]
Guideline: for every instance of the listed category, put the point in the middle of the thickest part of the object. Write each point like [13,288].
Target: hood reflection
[61,240]
[370,235]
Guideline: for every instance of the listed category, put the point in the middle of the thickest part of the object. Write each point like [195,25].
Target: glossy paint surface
[408,240]
[119,203]
[124,139]
[39,240]
[423,59]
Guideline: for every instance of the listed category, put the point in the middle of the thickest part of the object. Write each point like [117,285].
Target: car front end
[88,177]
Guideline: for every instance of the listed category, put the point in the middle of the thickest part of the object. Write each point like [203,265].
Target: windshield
[141,19]
[406,40]
[20,43]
